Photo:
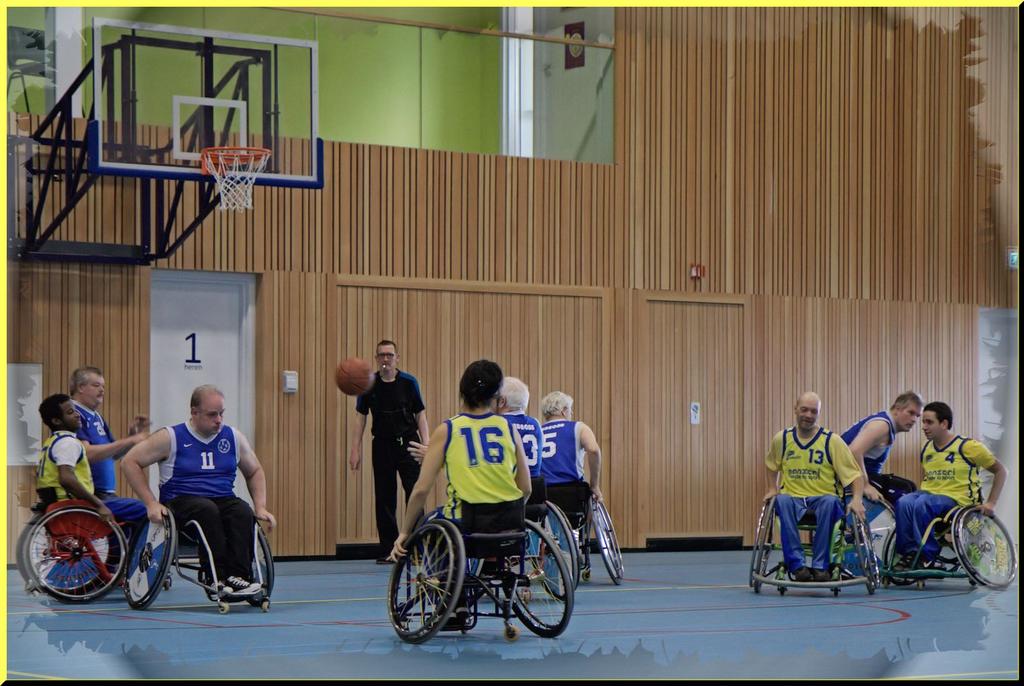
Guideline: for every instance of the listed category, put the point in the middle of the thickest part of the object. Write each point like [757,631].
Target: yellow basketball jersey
[955,470]
[47,474]
[822,466]
[479,461]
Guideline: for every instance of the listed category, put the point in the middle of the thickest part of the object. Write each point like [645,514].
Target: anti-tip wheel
[511,633]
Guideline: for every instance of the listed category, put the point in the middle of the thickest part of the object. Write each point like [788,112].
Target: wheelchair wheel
[866,554]
[762,543]
[150,562]
[21,555]
[426,583]
[608,543]
[880,520]
[985,549]
[583,549]
[557,525]
[262,569]
[889,557]
[544,605]
[75,556]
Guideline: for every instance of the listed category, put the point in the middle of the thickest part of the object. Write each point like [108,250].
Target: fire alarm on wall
[697,271]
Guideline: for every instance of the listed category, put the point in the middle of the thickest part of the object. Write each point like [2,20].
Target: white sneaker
[239,586]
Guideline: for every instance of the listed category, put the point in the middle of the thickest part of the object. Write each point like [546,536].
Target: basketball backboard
[163,93]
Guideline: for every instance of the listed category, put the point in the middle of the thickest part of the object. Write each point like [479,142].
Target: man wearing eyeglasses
[399,418]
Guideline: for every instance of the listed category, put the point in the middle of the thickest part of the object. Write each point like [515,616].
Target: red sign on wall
[574,55]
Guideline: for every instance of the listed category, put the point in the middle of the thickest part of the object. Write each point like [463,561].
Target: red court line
[117,615]
[719,608]
[901,617]
[350,622]
[203,625]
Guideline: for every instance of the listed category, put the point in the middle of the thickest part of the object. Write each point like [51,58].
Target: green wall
[378,83]
[34,91]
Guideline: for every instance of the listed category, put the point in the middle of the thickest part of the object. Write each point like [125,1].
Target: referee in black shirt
[398,417]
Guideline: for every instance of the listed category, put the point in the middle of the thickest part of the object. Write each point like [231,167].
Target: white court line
[616,589]
[11,672]
[942,676]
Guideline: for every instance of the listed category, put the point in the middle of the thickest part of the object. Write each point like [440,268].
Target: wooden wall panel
[67,316]
[845,141]
[550,338]
[848,176]
[876,149]
[295,317]
[749,358]
[858,356]
[630,358]
[695,355]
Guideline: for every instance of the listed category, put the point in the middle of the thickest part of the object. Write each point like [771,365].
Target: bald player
[815,466]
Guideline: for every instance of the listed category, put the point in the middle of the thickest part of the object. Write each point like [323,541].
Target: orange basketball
[354,376]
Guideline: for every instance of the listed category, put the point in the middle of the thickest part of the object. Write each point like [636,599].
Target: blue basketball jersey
[197,467]
[96,432]
[532,437]
[876,457]
[562,460]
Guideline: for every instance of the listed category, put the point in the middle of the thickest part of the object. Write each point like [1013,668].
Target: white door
[202,332]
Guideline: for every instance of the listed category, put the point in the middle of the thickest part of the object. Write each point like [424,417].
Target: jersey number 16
[490,448]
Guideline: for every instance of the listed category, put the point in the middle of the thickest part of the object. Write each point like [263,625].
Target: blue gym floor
[688,615]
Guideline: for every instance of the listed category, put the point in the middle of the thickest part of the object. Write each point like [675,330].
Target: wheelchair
[892,487]
[495,563]
[585,516]
[853,537]
[70,553]
[972,546]
[550,516]
[158,546]
[881,521]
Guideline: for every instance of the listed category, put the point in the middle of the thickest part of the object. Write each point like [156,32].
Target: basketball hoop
[235,171]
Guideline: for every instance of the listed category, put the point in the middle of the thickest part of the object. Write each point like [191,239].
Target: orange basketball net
[235,171]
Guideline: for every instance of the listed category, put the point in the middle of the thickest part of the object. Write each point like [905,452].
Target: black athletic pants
[228,525]
[390,457]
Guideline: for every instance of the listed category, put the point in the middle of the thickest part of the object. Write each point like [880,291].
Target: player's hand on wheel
[264,516]
[156,513]
[871,493]
[399,551]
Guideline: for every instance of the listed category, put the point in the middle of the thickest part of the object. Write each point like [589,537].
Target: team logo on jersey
[224,445]
[99,429]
